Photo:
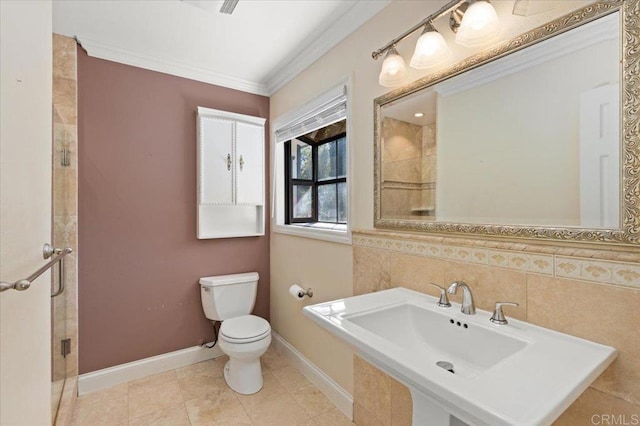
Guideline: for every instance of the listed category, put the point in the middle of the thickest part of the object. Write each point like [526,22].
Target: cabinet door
[215,162]
[250,163]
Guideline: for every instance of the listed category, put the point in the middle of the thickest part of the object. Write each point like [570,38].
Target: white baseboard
[333,391]
[107,377]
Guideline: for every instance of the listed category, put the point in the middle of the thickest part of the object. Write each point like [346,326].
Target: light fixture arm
[426,21]
[455,19]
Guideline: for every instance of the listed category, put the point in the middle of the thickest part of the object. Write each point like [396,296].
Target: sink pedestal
[427,412]
[500,371]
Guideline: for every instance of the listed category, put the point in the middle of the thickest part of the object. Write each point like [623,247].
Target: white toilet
[243,337]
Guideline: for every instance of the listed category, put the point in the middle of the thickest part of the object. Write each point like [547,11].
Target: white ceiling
[424,101]
[258,48]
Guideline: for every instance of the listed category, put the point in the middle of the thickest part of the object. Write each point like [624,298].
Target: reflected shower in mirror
[530,139]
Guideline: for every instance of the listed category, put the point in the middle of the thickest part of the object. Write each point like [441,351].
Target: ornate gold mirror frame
[629,233]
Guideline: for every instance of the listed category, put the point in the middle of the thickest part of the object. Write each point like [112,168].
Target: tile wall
[408,170]
[592,294]
[401,168]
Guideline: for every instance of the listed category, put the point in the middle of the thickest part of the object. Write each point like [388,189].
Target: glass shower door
[64,307]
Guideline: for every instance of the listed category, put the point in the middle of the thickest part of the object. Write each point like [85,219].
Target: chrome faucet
[468,307]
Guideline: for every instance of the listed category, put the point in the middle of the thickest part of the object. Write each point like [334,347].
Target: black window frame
[314,182]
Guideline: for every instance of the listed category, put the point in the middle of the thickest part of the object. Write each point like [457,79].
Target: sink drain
[446,365]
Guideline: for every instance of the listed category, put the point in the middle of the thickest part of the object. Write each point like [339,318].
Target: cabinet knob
[241,162]
[228,161]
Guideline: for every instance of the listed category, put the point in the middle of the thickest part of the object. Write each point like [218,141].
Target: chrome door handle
[228,161]
[61,277]
[25,283]
[241,162]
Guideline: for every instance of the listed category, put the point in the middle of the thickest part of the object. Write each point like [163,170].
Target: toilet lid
[245,328]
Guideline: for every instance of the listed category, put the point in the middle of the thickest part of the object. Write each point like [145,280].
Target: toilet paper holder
[308,292]
[299,293]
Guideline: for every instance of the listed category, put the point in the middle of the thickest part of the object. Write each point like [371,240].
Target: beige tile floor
[198,395]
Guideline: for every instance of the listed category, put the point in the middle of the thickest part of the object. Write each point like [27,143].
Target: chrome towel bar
[48,251]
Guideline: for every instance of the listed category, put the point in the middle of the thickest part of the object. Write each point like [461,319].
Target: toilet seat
[244,329]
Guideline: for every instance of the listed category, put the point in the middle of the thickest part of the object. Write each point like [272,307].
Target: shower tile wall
[408,169]
[65,201]
[429,170]
[598,302]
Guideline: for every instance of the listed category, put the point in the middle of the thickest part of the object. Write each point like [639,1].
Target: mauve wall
[139,258]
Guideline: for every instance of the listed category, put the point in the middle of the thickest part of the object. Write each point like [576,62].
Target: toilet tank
[228,296]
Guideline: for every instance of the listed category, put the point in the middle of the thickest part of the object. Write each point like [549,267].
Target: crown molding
[322,40]
[101,50]
[342,23]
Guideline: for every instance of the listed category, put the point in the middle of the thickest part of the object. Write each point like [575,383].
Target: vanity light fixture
[479,24]
[393,69]
[431,49]
[475,23]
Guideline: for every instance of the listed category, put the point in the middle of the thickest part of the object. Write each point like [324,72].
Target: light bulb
[393,69]
[479,26]
[431,49]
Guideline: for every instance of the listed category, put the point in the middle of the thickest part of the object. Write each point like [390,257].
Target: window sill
[336,233]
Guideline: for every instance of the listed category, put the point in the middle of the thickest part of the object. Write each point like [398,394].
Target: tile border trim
[549,261]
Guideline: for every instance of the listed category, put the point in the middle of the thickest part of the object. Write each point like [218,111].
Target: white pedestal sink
[515,374]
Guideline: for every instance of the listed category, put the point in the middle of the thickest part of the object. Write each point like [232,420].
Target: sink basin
[437,337]
[515,374]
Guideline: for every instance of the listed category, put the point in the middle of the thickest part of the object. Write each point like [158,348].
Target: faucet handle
[444,300]
[498,315]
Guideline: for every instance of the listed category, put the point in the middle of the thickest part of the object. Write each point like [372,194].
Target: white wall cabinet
[231,186]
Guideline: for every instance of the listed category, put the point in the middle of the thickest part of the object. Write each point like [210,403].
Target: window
[311,168]
[316,176]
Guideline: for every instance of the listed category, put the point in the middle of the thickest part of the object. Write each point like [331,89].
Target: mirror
[525,140]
